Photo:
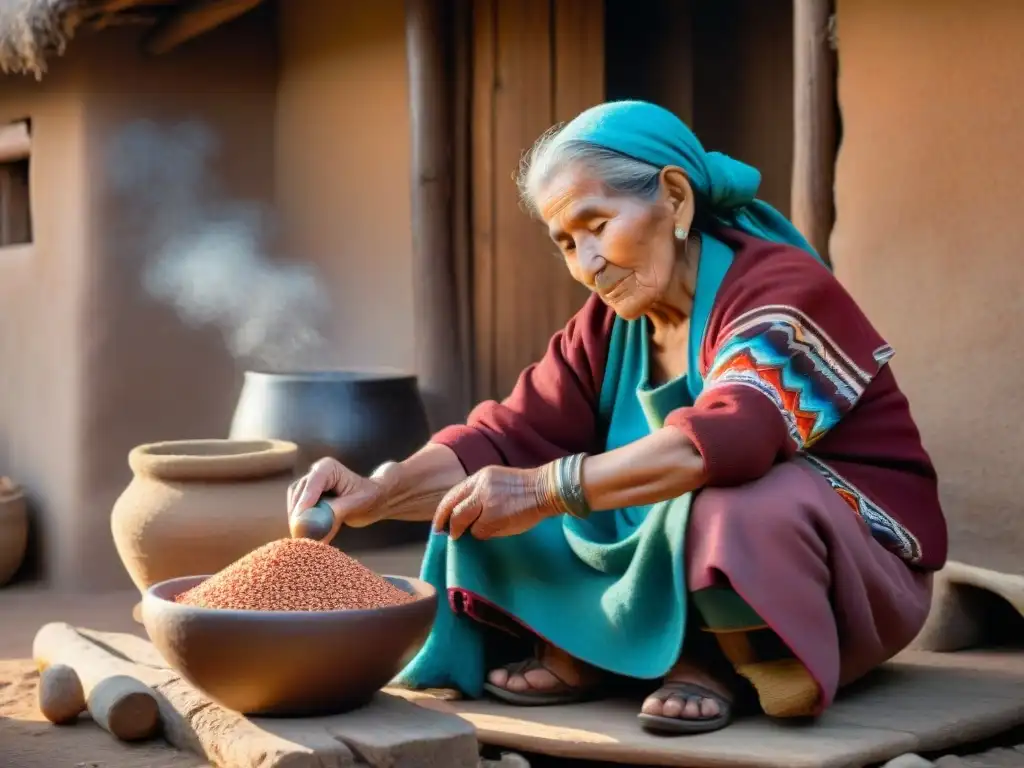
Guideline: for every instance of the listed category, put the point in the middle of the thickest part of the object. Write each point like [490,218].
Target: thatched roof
[31,31]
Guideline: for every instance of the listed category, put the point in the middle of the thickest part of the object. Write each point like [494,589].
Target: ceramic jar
[195,506]
[13,529]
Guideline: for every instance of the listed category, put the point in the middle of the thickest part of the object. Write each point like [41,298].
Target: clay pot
[196,506]
[362,419]
[13,529]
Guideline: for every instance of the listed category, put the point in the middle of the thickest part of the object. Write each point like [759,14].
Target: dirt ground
[29,741]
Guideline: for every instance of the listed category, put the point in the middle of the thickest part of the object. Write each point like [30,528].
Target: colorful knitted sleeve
[787,354]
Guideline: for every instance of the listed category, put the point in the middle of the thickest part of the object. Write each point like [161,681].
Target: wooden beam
[814,121]
[192,19]
[439,356]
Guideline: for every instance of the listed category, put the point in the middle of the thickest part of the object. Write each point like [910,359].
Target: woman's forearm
[414,487]
[661,466]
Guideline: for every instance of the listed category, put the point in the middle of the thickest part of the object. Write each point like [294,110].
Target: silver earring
[680,233]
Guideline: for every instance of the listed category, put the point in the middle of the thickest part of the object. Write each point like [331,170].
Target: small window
[15,207]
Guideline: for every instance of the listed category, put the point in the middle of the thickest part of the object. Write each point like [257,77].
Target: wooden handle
[119,702]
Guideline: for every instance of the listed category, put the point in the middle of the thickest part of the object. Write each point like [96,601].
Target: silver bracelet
[569,485]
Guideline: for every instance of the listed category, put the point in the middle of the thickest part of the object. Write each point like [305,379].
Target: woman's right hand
[355,500]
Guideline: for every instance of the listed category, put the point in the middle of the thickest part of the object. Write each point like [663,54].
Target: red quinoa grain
[295,575]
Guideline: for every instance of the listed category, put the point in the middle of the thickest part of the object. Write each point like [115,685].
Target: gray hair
[620,174]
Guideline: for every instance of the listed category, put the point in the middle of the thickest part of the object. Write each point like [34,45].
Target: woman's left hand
[496,501]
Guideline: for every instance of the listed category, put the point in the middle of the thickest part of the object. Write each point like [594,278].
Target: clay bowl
[287,663]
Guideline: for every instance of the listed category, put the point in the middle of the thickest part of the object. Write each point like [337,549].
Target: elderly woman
[713,449]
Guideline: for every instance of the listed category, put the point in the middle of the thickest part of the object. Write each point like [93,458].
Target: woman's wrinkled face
[622,248]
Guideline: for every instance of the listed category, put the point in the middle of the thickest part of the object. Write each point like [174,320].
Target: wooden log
[117,701]
[814,122]
[387,732]
[61,699]
[430,56]
[192,722]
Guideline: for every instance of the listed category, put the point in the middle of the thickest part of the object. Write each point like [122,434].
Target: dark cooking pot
[360,418]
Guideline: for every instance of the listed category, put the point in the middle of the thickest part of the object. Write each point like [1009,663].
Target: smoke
[207,257]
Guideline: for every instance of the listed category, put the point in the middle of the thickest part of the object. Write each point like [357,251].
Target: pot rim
[423,592]
[213,459]
[339,375]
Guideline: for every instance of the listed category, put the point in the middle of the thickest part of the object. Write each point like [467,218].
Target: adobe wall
[97,365]
[343,179]
[149,375]
[311,115]
[929,190]
[41,310]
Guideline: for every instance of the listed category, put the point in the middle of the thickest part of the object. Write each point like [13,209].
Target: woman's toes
[540,679]
[683,708]
[652,706]
[532,680]
[709,708]
[677,707]
[517,684]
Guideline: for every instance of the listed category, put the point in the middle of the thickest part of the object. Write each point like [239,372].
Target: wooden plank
[653,67]
[579,56]
[192,19]
[482,215]
[814,122]
[462,194]
[579,83]
[537,62]
[429,38]
[524,265]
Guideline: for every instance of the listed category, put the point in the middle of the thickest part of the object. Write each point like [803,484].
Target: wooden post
[814,121]
[439,346]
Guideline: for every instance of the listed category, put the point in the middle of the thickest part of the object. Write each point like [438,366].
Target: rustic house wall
[310,111]
[148,375]
[92,365]
[929,236]
[41,313]
[343,178]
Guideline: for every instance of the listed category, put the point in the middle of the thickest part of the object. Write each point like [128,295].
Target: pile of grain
[295,575]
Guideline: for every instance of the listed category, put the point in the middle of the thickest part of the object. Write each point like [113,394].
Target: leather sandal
[687,725]
[562,693]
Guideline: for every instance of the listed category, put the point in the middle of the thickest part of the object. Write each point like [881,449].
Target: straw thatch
[31,31]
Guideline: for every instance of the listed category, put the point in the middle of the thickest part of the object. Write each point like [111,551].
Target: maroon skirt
[800,597]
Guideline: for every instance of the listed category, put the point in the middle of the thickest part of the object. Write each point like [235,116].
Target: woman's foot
[689,701]
[551,676]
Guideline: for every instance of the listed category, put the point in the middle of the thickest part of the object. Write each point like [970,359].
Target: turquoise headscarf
[726,187]
[654,135]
